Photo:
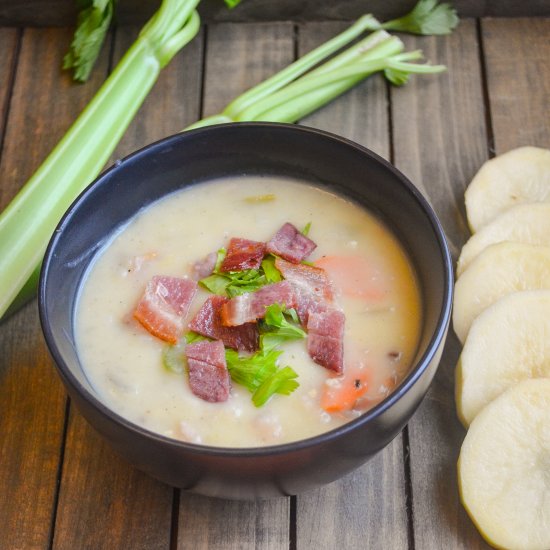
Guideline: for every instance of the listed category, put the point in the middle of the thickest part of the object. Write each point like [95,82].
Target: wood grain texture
[32,400]
[174,101]
[215,524]
[63,12]
[518,50]
[238,56]
[122,507]
[439,142]
[366,509]
[105,503]
[9,40]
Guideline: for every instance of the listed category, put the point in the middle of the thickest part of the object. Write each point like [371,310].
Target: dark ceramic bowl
[239,149]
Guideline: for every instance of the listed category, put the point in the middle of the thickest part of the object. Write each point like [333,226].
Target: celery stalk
[30,219]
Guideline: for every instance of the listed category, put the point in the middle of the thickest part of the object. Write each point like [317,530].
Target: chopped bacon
[164,306]
[251,306]
[203,268]
[325,339]
[311,284]
[208,322]
[208,374]
[243,254]
[290,244]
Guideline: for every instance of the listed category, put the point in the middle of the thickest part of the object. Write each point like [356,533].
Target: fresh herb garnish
[234,283]
[272,274]
[283,382]
[278,326]
[305,230]
[260,374]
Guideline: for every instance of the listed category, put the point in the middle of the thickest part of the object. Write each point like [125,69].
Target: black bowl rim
[406,384]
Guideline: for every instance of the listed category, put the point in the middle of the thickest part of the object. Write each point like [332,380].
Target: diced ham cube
[311,285]
[243,254]
[325,339]
[251,306]
[203,268]
[208,374]
[290,244]
[208,322]
[164,306]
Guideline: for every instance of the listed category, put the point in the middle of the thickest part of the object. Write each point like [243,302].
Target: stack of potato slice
[502,317]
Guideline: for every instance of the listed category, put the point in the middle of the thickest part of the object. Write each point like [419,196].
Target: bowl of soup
[248,310]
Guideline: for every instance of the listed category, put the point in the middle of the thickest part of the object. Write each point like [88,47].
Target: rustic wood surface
[63,488]
[63,12]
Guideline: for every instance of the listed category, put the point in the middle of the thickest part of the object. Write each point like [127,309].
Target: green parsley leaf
[233,283]
[283,382]
[251,370]
[276,321]
[92,26]
[272,274]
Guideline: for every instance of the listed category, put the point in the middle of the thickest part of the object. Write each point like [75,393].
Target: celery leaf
[427,17]
[92,26]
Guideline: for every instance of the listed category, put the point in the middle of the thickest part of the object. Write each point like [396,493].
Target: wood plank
[63,12]
[366,509]
[440,142]
[106,502]
[128,509]
[32,400]
[238,56]
[215,524]
[518,50]
[9,40]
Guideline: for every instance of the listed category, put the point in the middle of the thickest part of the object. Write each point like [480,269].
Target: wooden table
[62,488]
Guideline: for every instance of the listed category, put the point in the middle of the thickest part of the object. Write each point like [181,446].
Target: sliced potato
[524,223]
[504,468]
[508,342]
[518,176]
[499,270]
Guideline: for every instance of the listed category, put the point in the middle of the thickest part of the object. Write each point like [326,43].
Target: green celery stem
[31,218]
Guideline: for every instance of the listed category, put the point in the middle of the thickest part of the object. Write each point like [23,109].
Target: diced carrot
[341,393]
[352,275]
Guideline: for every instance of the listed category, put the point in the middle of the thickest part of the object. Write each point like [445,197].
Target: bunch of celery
[28,222]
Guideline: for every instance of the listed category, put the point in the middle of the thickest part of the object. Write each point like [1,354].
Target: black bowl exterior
[247,149]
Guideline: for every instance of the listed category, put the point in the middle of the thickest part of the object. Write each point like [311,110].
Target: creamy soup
[373,281]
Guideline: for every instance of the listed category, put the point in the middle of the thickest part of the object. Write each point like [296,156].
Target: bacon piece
[208,322]
[250,306]
[203,268]
[311,285]
[164,306]
[290,244]
[325,339]
[243,254]
[208,374]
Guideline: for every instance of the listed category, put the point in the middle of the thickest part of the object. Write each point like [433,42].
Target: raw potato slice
[508,342]
[499,270]
[518,176]
[524,223]
[504,468]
